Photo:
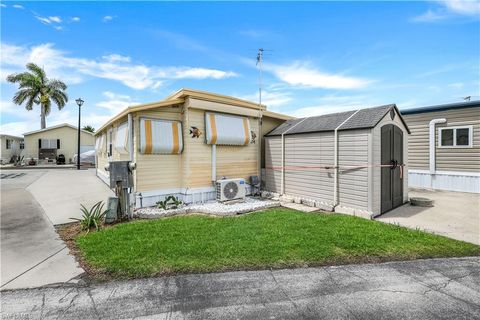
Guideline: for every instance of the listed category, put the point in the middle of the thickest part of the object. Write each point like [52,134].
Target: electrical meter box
[120,172]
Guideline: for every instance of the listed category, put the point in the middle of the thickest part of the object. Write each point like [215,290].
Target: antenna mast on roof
[259,65]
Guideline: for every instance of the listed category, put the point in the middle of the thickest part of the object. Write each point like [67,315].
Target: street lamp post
[79,102]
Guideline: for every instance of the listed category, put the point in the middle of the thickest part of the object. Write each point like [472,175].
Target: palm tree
[35,88]
[89,129]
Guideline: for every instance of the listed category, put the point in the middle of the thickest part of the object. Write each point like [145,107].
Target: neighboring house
[444,147]
[350,162]
[183,144]
[46,144]
[11,146]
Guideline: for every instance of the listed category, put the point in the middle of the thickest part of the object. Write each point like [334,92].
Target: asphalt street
[422,289]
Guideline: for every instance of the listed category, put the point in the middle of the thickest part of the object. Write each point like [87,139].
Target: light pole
[79,102]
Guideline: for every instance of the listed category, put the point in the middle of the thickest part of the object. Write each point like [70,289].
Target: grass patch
[270,239]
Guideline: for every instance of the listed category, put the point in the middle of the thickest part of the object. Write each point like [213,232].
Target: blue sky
[326,56]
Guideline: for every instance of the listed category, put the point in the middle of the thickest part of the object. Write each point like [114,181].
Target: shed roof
[443,107]
[360,119]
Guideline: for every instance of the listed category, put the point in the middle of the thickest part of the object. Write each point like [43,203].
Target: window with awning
[121,138]
[160,136]
[225,129]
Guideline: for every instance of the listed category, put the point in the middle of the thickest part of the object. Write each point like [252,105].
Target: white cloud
[201,73]
[107,18]
[58,27]
[272,99]
[17,6]
[55,19]
[456,85]
[115,102]
[75,19]
[303,74]
[430,16]
[113,67]
[464,7]
[3,5]
[450,8]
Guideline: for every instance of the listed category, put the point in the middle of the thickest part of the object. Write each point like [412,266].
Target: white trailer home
[350,162]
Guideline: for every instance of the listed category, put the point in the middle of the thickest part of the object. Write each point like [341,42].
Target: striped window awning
[224,129]
[121,138]
[160,136]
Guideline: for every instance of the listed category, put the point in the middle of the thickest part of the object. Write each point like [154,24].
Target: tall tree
[35,88]
[89,129]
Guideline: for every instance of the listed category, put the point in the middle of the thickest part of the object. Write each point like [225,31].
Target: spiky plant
[93,217]
[34,87]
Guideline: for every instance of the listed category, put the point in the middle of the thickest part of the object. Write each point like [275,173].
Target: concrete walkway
[31,253]
[60,193]
[422,289]
[454,214]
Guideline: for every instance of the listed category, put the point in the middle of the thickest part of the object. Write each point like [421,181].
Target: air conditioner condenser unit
[230,189]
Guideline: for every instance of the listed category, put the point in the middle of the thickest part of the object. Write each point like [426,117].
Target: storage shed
[350,162]
[183,144]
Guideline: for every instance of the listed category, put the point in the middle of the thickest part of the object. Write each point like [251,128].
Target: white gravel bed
[211,207]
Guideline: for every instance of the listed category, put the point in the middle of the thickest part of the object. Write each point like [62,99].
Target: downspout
[282,185]
[431,140]
[132,163]
[335,160]
[214,163]
[130,137]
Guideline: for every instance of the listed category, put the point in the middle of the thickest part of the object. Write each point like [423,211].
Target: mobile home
[11,146]
[183,144]
[444,147]
[350,162]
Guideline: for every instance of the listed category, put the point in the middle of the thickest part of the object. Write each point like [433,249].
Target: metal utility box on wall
[351,162]
[120,172]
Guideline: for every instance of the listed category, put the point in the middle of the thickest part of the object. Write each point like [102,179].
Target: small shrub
[93,217]
[170,202]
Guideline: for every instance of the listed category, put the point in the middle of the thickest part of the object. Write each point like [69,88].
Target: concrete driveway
[60,193]
[31,253]
[454,214]
[422,289]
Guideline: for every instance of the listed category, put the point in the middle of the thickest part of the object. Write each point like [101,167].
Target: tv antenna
[259,63]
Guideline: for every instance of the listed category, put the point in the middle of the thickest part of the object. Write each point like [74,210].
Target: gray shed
[351,162]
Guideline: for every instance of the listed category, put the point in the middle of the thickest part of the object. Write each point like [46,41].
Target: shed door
[391,155]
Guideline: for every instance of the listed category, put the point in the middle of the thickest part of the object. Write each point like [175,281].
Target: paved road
[31,253]
[423,289]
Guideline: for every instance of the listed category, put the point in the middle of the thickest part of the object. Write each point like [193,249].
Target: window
[455,137]
[9,144]
[22,145]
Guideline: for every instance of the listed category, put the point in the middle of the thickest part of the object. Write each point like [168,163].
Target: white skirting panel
[445,180]
[104,176]
[197,195]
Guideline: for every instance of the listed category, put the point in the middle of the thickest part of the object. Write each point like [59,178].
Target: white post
[432,143]
[214,163]
[335,159]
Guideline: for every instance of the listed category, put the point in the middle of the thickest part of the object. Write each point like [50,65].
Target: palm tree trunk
[42,117]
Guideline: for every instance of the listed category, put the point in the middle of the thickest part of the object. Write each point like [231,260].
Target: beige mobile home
[46,144]
[183,144]
[11,146]
[444,147]
[350,162]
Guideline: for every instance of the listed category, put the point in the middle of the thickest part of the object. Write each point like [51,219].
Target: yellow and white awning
[225,129]
[121,138]
[160,136]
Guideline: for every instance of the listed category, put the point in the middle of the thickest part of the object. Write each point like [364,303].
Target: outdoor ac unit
[230,189]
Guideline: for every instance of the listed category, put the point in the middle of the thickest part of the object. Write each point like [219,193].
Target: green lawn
[272,238]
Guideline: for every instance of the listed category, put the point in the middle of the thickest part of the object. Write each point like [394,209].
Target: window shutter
[58,143]
[39,143]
